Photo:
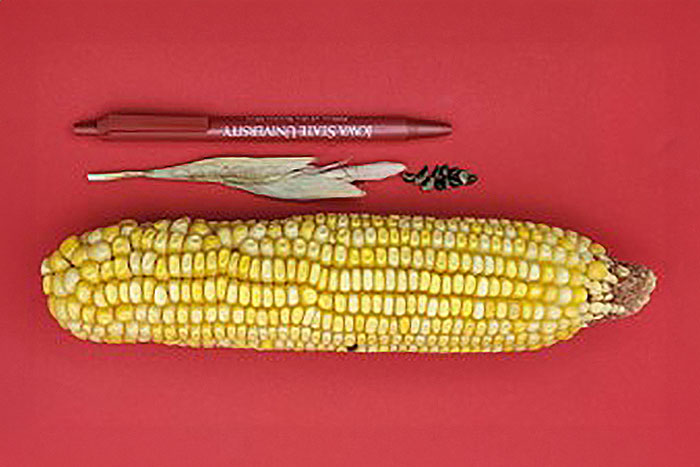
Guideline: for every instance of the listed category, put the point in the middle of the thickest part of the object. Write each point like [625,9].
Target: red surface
[581,114]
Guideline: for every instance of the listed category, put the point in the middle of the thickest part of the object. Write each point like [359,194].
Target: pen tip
[85,128]
[423,129]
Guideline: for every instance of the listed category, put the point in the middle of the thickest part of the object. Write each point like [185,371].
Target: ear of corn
[338,282]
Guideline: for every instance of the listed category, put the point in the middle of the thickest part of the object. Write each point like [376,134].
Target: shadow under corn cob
[339,282]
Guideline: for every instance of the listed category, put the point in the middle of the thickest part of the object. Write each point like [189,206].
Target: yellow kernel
[379,280]
[469,284]
[238,315]
[432,307]
[211,242]
[551,294]
[506,288]
[124,313]
[435,284]
[83,292]
[267,247]
[511,269]
[243,267]
[121,246]
[441,261]
[121,268]
[297,315]
[597,271]
[223,258]
[256,295]
[244,294]
[494,287]
[238,234]
[314,273]
[579,295]
[535,291]
[199,264]
[211,262]
[371,325]
[520,290]
[221,288]
[404,325]
[266,270]
[103,316]
[69,245]
[326,254]
[210,289]
[340,302]
[279,297]
[597,249]
[47,284]
[308,296]
[325,301]
[365,303]
[268,298]
[577,278]
[250,316]
[88,314]
[444,307]
[90,271]
[367,257]
[547,274]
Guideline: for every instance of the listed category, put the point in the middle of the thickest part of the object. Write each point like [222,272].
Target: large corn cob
[338,282]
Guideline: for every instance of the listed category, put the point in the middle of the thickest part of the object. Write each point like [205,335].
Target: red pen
[123,126]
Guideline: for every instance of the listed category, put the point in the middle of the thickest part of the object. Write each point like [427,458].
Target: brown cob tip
[634,287]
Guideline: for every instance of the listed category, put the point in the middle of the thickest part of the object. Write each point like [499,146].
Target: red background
[581,114]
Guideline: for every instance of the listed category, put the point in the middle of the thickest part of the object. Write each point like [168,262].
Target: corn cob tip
[633,291]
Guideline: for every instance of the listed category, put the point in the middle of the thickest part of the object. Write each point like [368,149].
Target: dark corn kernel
[442,177]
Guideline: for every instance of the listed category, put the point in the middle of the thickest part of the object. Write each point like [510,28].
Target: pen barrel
[260,128]
[323,128]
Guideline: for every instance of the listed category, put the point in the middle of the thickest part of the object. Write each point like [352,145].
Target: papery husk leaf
[277,177]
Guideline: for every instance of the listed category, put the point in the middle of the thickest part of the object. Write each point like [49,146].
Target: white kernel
[554,312]
[148,262]
[565,296]
[522,269]
[291,229]
[99,251]
[477,264]
[489,265]
[292,295]
[538,312]
[70,280]
[257,231]
[561,276]
[531,252]
[534,273]
[478,310]
[482,287]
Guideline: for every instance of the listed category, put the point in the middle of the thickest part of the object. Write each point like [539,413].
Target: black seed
[455,182]
[420,176]
[352,348]
[464,177]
